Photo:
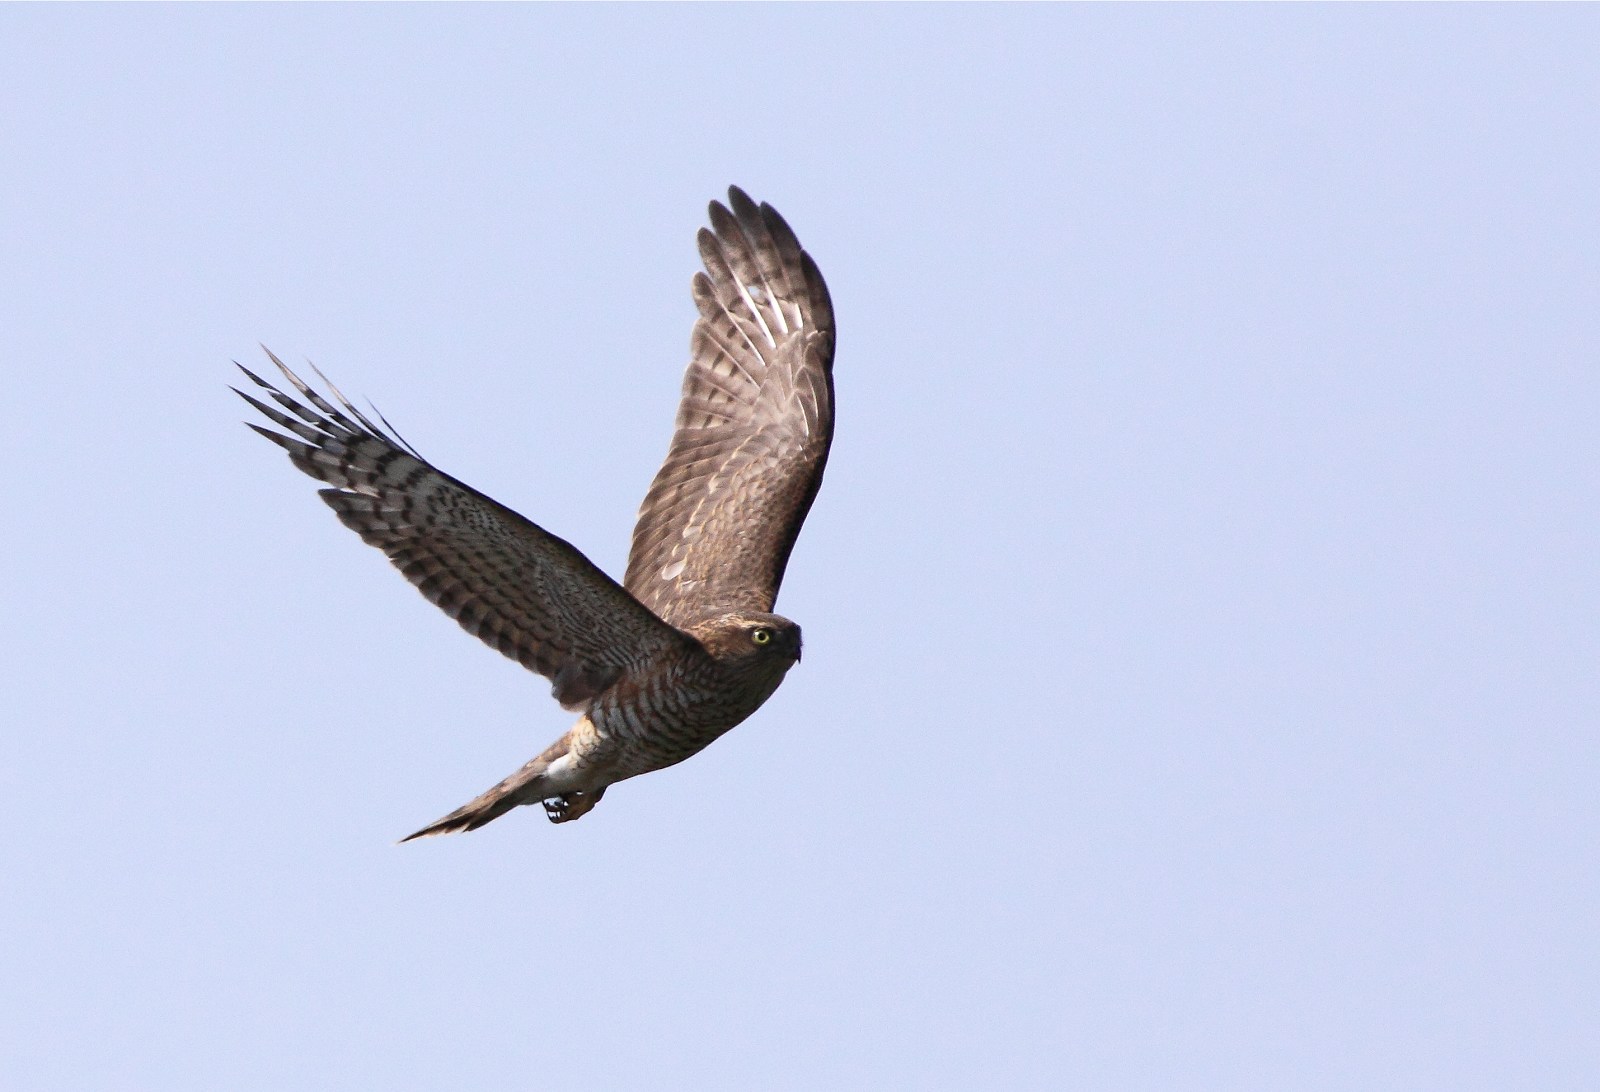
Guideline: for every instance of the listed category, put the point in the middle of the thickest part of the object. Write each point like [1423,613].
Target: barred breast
[667,714]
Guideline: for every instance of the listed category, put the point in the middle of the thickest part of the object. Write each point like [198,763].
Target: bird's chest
[671,714]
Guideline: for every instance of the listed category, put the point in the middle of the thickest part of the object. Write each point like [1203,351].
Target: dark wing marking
[517,587]
[753,428]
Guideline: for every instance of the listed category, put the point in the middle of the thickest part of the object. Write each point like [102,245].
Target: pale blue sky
[1201,608]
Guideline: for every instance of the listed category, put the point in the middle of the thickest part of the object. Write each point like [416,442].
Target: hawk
[687,646]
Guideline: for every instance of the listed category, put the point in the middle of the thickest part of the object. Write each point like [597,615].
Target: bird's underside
[687,645]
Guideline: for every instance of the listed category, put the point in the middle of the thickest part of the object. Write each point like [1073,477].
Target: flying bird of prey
[687,645]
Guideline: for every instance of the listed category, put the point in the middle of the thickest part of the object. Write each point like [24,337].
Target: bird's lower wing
[507,581]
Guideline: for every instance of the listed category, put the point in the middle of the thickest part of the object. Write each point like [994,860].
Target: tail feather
[485,809]
[526,786]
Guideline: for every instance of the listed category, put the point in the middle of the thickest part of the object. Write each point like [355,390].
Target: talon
[571,805]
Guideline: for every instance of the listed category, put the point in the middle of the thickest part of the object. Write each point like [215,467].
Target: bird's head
[751,640]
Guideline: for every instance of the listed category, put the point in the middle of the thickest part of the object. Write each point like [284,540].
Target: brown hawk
[687,645]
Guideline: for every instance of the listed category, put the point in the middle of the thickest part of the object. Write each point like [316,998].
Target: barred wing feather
[507,581]
[753,427]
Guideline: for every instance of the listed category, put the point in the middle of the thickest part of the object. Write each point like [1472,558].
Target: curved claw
[570,805]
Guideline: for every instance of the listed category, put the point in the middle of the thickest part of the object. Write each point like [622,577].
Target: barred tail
[485,809]
[527,786]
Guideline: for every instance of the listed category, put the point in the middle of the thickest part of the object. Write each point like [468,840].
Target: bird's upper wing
[512,584]
[753,428]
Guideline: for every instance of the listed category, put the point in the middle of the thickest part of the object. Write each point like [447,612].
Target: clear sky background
[1201,607]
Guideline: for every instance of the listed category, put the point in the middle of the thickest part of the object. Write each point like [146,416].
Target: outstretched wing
[517,587]
[753,428]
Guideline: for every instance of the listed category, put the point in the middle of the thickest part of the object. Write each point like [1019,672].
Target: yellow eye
[761,636]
